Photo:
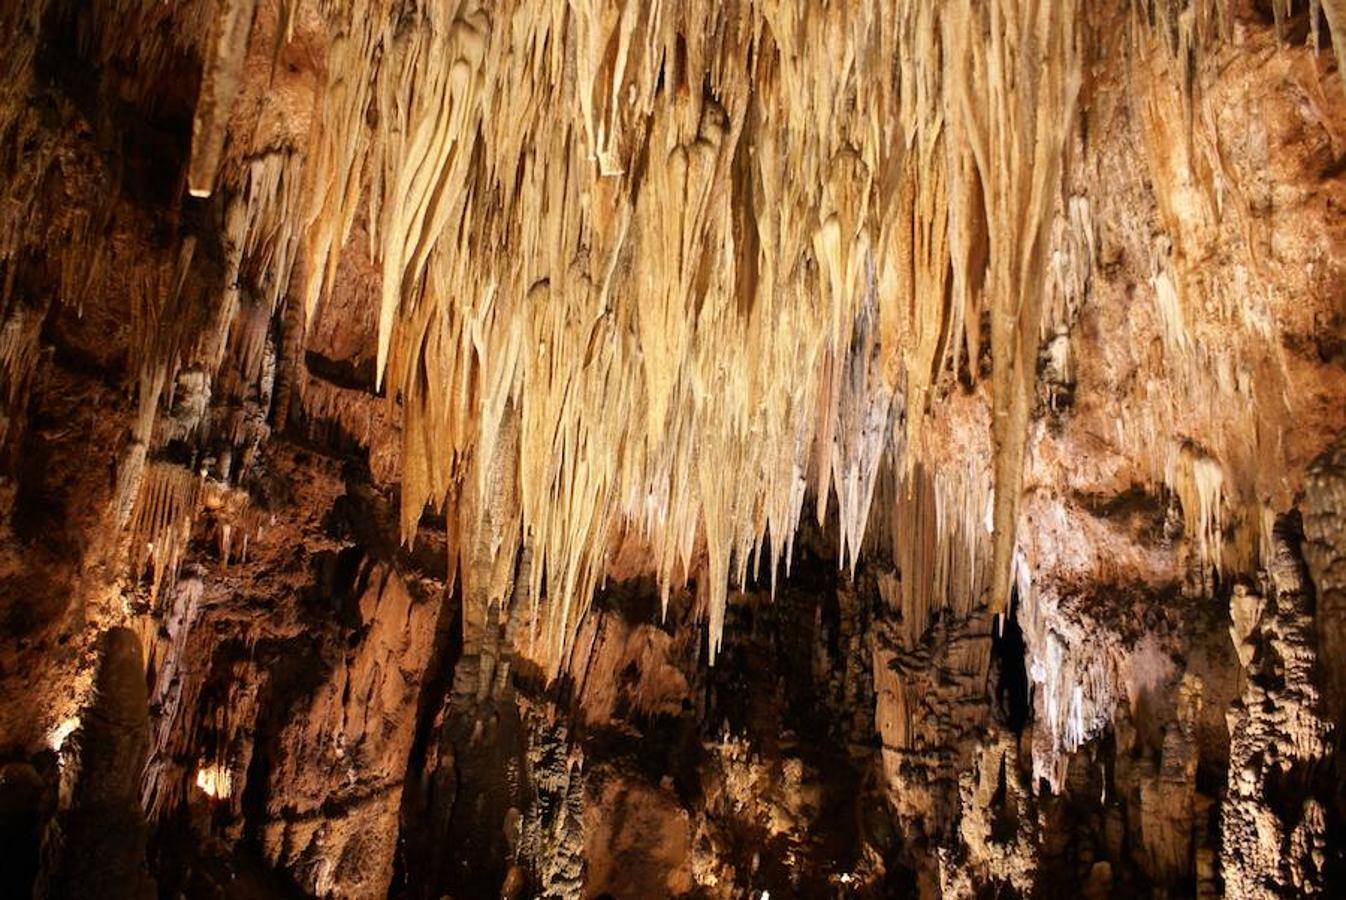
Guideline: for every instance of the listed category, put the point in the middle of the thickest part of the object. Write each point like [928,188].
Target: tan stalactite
[162,521]
[1030,298]
[1016,92]
[1198,482]
[1335,11]
[586,263]
[689,262]
[219,85]
[439,90]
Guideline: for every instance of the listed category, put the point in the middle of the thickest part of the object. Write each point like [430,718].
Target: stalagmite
[104,833]
[1273,824]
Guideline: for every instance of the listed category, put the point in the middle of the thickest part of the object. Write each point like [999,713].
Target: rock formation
[638,448]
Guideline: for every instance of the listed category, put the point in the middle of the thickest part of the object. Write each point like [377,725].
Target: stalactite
[1199,483]
[161,523]
[602,290]
[441,170]
[614,258]
[1018,119]
[1335,11]
[219,84]
[677,243]
[176,694]
[19,349]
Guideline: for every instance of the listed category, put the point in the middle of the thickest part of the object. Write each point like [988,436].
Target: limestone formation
[636,448]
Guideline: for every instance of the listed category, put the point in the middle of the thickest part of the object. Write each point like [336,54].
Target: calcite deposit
[672,448]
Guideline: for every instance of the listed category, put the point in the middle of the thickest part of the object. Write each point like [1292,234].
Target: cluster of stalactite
[681,263]
[360,329]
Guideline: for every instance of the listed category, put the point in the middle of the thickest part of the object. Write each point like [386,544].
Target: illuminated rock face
[605,447]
